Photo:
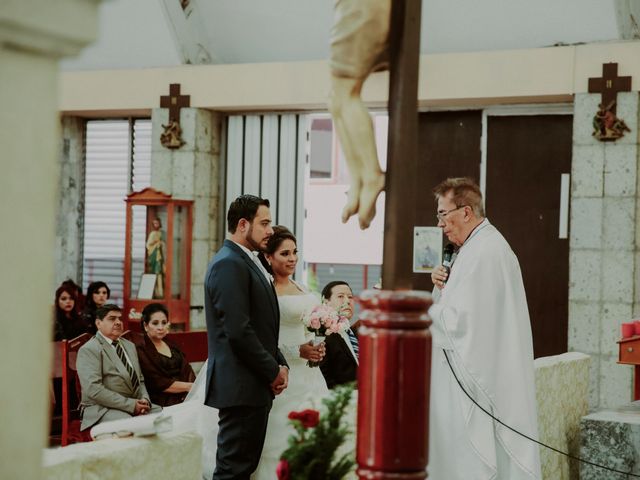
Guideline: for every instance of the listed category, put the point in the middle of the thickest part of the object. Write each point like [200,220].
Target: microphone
[446,259]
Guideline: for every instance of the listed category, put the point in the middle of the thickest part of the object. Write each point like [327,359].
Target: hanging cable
[629,474]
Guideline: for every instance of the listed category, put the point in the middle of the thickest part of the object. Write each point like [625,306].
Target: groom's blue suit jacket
[243,321]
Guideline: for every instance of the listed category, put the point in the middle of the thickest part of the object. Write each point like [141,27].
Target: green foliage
[311,451]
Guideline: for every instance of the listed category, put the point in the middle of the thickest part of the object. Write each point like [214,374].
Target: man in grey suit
[246,368]
[109,372]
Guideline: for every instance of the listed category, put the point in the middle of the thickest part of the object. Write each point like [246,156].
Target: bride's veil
[196,394]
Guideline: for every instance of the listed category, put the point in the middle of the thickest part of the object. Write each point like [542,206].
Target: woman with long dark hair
[68,323]
[97,295]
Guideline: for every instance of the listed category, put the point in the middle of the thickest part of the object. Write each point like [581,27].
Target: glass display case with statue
[157,256]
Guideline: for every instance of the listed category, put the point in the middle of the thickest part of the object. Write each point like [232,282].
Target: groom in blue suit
[246,369]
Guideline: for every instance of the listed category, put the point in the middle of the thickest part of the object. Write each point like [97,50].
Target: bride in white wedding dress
[306,387]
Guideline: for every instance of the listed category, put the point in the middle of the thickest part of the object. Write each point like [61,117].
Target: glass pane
[321,148]
[179,252]
[156,247]
[139,215]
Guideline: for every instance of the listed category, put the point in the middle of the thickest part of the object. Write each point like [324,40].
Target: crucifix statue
[172,135]
[370,35]
[606,125]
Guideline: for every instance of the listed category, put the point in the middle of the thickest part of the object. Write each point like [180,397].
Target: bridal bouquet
[323,320]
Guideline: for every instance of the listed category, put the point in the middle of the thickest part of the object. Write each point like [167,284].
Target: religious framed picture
[427,249]
[147,285]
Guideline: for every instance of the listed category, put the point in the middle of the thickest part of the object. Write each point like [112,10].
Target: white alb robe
[481,319]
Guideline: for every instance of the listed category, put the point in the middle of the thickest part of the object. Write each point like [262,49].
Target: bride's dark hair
[280,234]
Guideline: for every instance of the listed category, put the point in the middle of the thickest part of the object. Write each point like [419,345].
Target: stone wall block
[619,223]
[217,234]
[197,293]
[202,180]
[183,175]
[584,327]
[198,320]
[594,382]
[636,283]
[216,132]
[162,171]
[617,276]
[69,219]
[587,171]
[615,382]
[159,117]
[613,315]
[585,107]
[620,170]
[627,110]
[199,260]
[204,136]
[188,124]
[201,219]
[584,275]
[586,223]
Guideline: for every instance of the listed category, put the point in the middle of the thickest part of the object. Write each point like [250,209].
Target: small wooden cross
[609,85]
[174,102]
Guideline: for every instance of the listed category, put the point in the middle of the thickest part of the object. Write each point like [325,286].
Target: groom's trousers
[240,440]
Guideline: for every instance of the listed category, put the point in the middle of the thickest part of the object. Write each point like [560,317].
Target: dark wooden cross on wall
[609,85]
[174,102]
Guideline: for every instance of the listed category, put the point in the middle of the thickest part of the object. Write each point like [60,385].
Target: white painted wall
[138,33]
[133,34]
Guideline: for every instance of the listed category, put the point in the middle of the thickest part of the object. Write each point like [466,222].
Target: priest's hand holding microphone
[440,274]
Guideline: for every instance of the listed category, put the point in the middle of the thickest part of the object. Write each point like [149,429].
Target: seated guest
[109,372]
[340,363]
[167,374]
[97,295]
[68,323]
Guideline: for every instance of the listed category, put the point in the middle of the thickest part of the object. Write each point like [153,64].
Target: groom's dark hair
[245,206]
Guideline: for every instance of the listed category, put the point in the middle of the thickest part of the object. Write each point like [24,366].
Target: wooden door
[448,146]
[526,156]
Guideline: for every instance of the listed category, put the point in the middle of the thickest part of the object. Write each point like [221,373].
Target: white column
[604,261]
[34,35]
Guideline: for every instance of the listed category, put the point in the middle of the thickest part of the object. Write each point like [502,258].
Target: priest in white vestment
[481,323]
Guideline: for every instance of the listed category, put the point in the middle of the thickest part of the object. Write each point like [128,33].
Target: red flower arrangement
[308,418]
[313,450]
[282,470]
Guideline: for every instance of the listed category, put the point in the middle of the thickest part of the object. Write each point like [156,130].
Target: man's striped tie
[132,373]
[354,342]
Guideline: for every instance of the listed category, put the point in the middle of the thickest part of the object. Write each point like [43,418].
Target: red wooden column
[393,385]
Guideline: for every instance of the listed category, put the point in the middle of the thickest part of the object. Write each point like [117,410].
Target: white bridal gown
[306,390]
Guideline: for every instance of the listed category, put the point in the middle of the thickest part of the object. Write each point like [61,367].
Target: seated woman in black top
[167,374]
[97,295]
[68,323]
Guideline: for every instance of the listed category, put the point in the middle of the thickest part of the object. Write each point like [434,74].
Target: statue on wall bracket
[171,137]
[607,127]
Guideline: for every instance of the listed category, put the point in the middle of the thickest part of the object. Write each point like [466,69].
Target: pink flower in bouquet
[324,320]
[282,470]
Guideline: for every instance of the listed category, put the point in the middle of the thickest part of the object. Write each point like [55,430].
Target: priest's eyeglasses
[443,215]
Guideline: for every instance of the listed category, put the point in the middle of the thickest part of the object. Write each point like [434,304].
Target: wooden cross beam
[174,102]
[609,85]
[402,150]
